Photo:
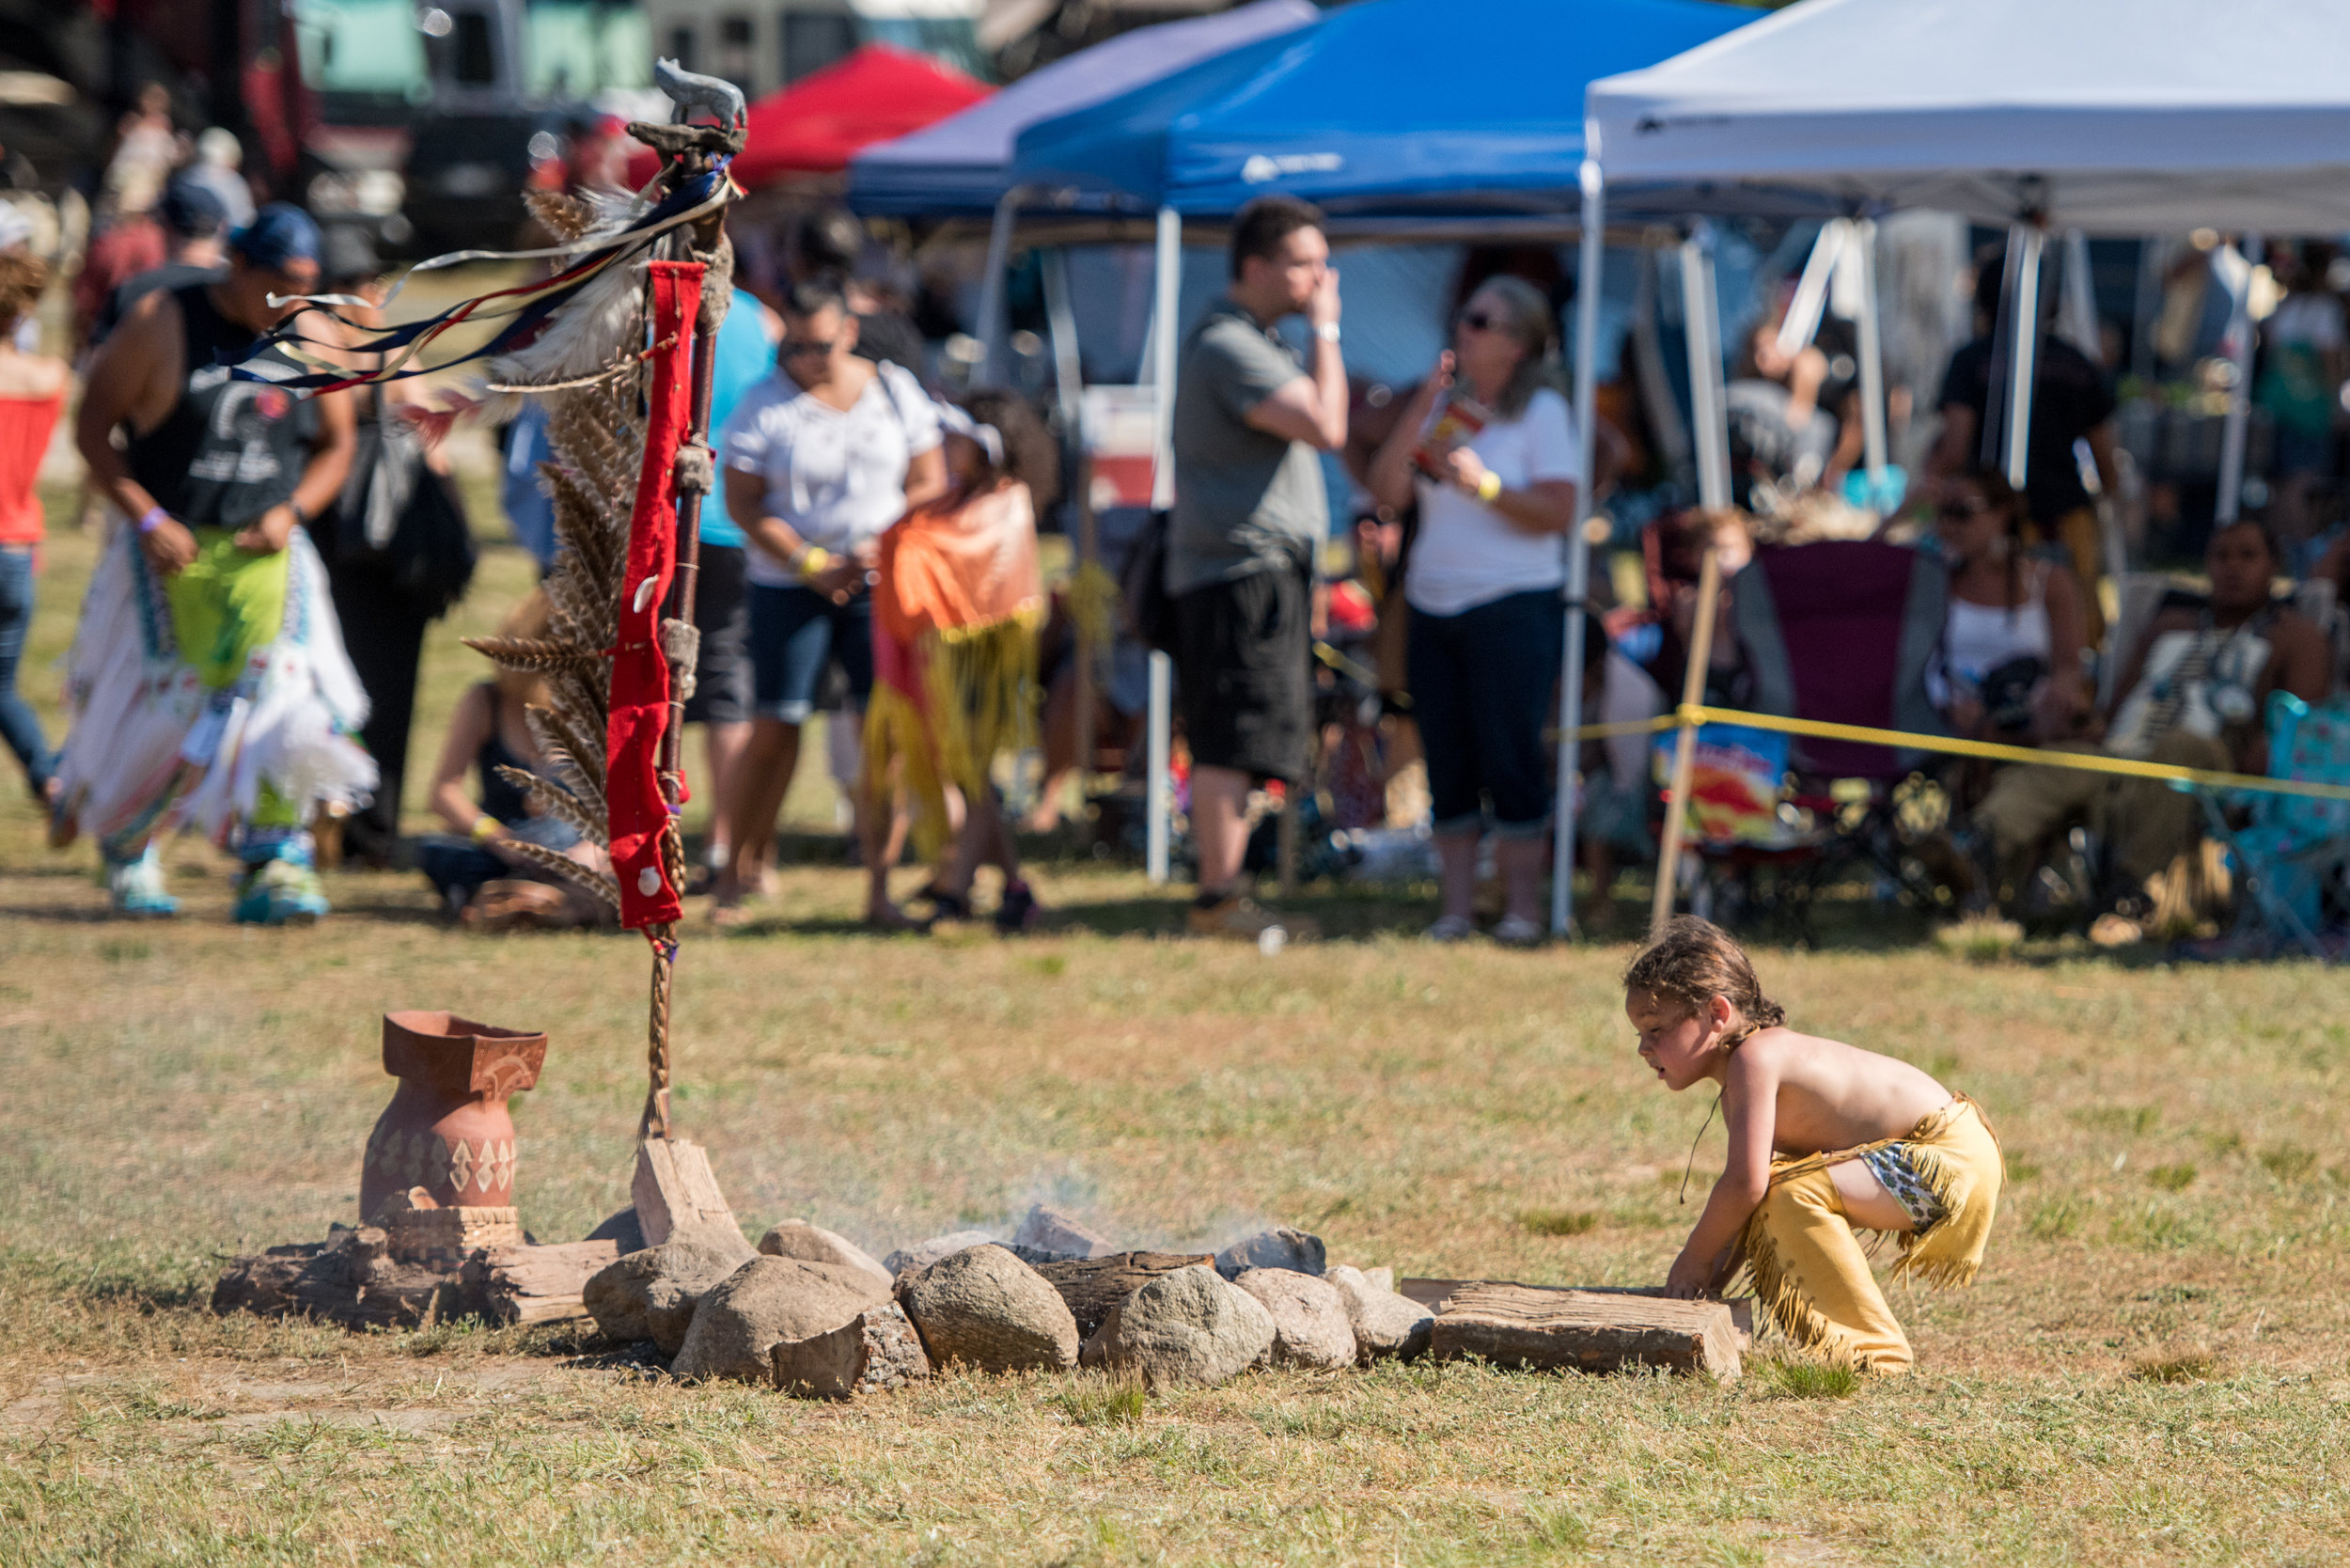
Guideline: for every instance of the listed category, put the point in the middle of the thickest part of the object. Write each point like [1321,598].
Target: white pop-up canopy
[2111,116]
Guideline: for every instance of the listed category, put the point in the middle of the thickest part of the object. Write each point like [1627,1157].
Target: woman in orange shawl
[955,620]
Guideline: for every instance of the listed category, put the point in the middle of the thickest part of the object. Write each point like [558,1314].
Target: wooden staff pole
[1685,743]
[689,150]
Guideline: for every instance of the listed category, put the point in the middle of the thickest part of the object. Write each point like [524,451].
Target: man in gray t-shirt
[1249,515]
[1247,498]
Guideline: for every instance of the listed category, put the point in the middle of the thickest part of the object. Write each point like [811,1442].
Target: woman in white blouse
[820,458]
[1487,447]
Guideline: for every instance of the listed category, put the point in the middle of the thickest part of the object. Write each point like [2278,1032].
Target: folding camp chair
[1842,631]
[2291,853]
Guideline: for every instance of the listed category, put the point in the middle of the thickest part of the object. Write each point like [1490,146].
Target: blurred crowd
[1381,695]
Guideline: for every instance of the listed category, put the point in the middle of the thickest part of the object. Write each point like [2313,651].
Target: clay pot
[446,1129]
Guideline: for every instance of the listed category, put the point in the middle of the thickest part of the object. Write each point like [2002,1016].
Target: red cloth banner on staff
[640,671]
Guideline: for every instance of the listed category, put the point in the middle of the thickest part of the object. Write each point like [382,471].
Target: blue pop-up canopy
[960,166]
[1385,106]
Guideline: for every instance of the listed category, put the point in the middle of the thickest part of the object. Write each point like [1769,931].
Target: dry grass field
[2155,1367]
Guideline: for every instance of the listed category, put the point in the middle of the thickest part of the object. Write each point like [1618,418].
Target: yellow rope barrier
[1691,716]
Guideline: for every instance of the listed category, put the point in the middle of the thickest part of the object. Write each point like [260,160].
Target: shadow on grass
[143,1281]
[95,913]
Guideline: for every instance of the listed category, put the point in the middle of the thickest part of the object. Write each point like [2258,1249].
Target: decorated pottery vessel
[448,1129]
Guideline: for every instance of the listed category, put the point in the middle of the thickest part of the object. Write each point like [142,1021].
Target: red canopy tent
[817,124]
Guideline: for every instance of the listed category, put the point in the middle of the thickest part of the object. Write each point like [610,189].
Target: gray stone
[984,1308]
[1384,1323]
[1279,1247]
[765,1303]
[813,1244]
[652,1294]
[1063,1235]
[1311,1325]
[1187,1326]
[875,1350]
[922,1254]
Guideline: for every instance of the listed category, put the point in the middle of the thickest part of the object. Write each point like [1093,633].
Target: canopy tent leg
[2232,436]
[1588,280]
[994,322]
[1863,250]
[1068,390]
[1801,323]
[2078,306]
[1710,428]
[1708,416]
[1166,301]
[2025,244]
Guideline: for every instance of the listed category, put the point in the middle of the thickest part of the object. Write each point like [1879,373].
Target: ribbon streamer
[526,307]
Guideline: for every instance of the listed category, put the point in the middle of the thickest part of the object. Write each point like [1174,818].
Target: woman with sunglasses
[2012,644]
[820,458]
[1487,446]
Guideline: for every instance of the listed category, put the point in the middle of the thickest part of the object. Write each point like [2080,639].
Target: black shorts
[1242,675]
[721,676]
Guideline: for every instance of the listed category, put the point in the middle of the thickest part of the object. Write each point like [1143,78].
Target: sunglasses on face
[1479,320]
[801,348]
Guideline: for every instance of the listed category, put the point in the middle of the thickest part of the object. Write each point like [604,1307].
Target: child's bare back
[1824,1094]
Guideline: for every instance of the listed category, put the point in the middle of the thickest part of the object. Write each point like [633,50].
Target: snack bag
[1459,418]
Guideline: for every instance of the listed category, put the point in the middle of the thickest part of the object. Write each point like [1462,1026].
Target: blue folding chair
[2292,849]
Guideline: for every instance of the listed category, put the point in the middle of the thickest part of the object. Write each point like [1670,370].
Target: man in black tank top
[216,477]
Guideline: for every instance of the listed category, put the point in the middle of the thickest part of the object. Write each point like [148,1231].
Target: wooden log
[1091,1286]
[1433,1293]
[1590,1331]
[353,1280]
[537,1284]
[674,1191]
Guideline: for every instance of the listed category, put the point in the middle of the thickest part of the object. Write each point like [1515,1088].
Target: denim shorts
[795,634]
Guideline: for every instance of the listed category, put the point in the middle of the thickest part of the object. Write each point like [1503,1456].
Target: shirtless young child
[1826,1139]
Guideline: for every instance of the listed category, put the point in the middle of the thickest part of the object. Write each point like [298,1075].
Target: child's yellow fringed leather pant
[1808,1268]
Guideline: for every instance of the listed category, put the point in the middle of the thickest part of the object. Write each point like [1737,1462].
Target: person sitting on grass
[483,875]
[1826,1141]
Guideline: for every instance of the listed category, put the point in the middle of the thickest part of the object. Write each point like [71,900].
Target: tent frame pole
[2233,435]
[993,303]
[1801,323]
[2028,241]
[1709,421]
[1168,299]
[1591,265]
[1862,248]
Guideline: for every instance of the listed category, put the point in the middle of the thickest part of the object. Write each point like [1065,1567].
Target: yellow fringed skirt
[978,688]
[1808,1268]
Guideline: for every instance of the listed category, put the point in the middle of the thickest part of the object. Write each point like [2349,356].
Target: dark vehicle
[467,104]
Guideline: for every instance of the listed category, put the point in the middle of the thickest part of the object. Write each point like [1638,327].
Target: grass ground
[2152,1368]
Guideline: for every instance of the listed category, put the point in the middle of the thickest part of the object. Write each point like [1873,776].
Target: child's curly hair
[23,278]
[1693,962]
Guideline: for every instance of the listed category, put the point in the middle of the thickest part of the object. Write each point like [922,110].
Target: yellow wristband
[483,827]
[1489,488]
[812,561]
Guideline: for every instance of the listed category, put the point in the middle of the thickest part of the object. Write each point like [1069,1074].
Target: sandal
[1516,931]
[890,921]
[1019,910]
